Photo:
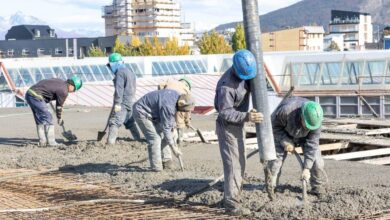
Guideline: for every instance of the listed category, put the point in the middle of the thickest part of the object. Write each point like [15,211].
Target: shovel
[304,183]
[202,138]
[67,134]
[101,134]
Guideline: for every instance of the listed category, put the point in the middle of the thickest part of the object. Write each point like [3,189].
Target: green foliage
[333,46]
[121,48]
[214,43]
[238,38]
[95,52]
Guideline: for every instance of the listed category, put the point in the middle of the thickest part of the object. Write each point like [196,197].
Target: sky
[86,14]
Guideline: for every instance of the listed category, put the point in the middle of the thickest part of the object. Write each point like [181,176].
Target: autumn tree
[146,49]
[214,43]
[95,52]
[333,46]
[121,48]
[238,39]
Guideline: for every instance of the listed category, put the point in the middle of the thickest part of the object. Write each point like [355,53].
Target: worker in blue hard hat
[124,95]
[232,103]
[45,91]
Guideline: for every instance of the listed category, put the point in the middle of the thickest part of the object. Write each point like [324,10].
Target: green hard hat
[312,115]
[188,81]
[115,57]
[76,82]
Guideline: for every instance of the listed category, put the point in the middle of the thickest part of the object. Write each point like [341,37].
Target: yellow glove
[255,117]
[117,108]
[288,146]
[306,175]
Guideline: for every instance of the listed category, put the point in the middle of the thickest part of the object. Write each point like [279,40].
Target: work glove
[288,146]
[60,121]
[117,108]
[255,117]
[306,174]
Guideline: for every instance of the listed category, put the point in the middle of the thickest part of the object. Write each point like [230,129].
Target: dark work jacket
[159,106]
[231,99]
[287,125]
[125,85]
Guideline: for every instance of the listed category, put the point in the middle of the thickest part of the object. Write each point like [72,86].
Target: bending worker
[125,85]
[232,103]
[183,87]
[155,114]
[297,121]
[43,92]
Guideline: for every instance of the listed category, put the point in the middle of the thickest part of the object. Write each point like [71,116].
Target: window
[37,33]
[10,52]
[70,51]
[58,51]
[25,52]
[52,34]
[40,51]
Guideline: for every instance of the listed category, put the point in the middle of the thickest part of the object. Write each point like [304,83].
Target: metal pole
[265,138]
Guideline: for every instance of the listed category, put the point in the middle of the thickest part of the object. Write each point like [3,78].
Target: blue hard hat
[244,63]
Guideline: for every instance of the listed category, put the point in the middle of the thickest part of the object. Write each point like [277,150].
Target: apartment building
[306,38]
[356,27]
[147,18]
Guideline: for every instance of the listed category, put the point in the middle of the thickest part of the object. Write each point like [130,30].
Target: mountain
[309,12]
[19,19]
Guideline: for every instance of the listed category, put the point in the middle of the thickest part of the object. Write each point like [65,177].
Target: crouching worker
[183,119]
[297,121]
[232,103]
[44,92]
[155,115]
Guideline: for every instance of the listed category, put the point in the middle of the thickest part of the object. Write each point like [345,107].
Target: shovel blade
[100,136]
[69,135]
[202,138]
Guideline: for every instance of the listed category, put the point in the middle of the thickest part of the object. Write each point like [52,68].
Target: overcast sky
[80,14]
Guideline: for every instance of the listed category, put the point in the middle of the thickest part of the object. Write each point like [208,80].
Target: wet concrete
[353,189]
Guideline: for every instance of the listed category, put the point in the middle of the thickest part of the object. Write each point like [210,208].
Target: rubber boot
[50,136]
[112,135]
[41,135]
[180,135]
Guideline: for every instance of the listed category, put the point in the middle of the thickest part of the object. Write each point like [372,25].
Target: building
[147,18]
[356,27]
[337,39]
[30,32]
[306,38]
[41,41]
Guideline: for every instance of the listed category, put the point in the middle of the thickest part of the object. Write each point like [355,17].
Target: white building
[337,38]
[356,27]
[314,38]
[147,18]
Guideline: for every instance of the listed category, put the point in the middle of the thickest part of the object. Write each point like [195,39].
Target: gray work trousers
[158,148]
[317,172]
[118,118]
[232,147]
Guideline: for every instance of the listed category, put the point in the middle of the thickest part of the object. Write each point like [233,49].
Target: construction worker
[232,103]
[125,85]
[183,119]
[155,114]
[45,91]
[297,121]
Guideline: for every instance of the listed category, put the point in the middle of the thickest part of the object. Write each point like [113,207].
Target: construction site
[82,172]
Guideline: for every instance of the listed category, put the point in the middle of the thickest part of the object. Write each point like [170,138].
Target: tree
[135,41]
[95,52]
[121,48]
[172,47]
[158,48]
[184,50]
[238,38]
[214,44]
[333,46]
[146,49]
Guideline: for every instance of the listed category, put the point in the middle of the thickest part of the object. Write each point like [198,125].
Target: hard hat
[185,103]
[188,81]
[244,64]
[115,57]
[76,82]
[312,115]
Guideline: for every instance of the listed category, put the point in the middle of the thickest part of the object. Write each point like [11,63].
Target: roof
[24,32]
[314,29]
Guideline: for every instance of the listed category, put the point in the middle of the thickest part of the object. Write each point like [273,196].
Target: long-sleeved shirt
[287,124]
[160,106]
[125,85]
[232,98]
[50,90]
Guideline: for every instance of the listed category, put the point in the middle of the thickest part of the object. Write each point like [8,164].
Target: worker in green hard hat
[297,122]
[124,95]
[43,92]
